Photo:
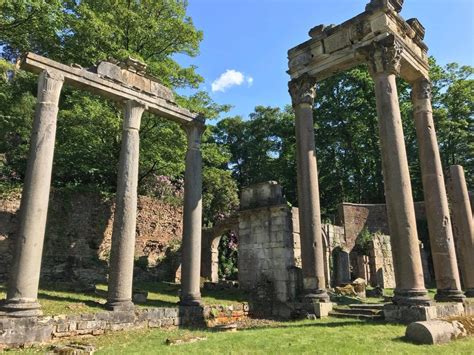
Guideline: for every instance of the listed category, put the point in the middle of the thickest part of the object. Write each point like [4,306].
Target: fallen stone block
[434,332]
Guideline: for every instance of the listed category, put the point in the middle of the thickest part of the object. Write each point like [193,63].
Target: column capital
[421,89]
[52,75]
[302,90]
[133,114]
[194,131]
[385,57]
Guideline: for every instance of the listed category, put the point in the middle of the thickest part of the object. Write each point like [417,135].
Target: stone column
[384,63]
[302,91]
[23,286]
[192,217]
[463,225]
[436,202]
[123,235]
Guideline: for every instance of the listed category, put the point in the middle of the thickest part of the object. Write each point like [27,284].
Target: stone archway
[210,247]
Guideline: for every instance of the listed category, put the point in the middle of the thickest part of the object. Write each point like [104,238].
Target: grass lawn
[328,336]
[61,299]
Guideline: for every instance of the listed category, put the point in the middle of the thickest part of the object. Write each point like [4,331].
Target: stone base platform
[291,310]
[19,332]
[468,306]
[409,314]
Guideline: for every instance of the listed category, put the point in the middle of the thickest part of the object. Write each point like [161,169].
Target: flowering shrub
[164,188]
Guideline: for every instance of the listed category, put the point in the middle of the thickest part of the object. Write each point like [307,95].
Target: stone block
[167,322]
[322,309]
[409,314]
[434,332]
[154,323]
[171,312]
[62,327]
[123,316]
[468,304]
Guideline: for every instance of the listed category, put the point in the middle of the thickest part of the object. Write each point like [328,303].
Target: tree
[89,127]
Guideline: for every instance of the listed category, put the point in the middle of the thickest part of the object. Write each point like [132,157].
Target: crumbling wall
[268,245]
[381,262]
[373,217]
[79,231]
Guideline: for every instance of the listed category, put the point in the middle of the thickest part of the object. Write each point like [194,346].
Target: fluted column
[463,225]
[384,62]
[436,202]
[123,234]
[302,91]
[192,217]
[23,286]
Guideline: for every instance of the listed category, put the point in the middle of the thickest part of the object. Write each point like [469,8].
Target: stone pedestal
[463,225]
[192,218]
[384,64]
[123,235]
[302,92]
[23,286]
[407,314]
[436,202]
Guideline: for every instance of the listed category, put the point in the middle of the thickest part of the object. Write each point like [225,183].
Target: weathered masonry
[128,84]
[391,47]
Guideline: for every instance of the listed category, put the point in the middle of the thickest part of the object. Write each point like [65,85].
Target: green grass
[61,299]
[328,336]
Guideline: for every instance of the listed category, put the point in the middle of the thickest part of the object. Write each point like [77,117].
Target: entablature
[333,49]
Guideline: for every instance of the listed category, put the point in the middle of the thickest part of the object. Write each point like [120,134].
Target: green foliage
[228,257]
[363,241]
[89,127]
[262,148]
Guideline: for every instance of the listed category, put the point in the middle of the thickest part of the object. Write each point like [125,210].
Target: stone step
[369,312]
[378,306]
[340,314]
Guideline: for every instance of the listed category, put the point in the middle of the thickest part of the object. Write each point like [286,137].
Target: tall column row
[384,63]
[23,285]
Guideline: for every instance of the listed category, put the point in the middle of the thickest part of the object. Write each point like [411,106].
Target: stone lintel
[334,49]
[115,83]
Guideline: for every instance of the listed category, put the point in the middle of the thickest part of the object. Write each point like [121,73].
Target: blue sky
[249,40]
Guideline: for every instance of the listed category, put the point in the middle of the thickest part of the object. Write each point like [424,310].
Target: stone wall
[24,331]
[356,217]
[78,236]
[268,242]
[381,262]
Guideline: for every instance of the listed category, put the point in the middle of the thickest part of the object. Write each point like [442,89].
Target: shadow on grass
[88,303]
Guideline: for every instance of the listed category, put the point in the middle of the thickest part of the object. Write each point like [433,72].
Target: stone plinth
[322,309]
[408,314]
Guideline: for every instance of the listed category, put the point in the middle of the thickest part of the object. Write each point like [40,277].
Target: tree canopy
[237,151]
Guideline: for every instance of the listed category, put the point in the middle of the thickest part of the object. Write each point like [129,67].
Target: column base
[416,297]
[316,296]
[469,292]
[19,308]
[449,296]
[120,305]
[191,300]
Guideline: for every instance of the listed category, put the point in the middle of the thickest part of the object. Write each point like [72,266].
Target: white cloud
[230,78]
